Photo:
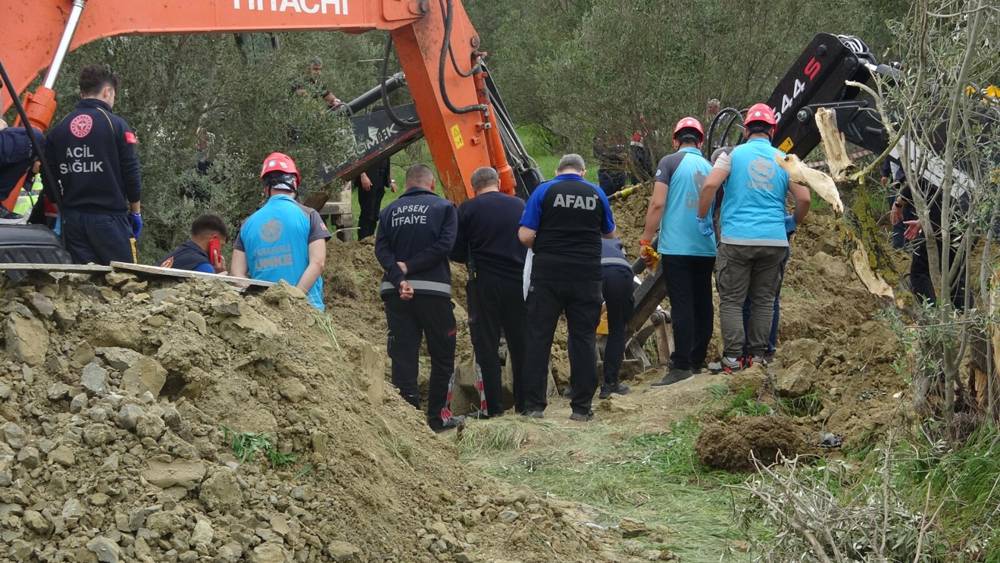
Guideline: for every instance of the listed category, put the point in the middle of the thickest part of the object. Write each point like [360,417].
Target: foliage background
[567,68]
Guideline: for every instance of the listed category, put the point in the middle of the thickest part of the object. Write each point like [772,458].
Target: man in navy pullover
[487,244]
[92,153]
[194,253]
[415,235]
[563,223]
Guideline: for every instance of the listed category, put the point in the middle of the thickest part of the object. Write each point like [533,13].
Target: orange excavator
[459,109]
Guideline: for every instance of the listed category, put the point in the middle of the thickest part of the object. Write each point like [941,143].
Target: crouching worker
[617,288]
[203,252]
[283,240]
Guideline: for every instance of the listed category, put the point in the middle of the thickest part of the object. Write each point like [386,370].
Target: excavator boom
[38,34]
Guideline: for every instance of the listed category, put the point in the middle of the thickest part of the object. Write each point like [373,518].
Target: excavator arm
[436,44]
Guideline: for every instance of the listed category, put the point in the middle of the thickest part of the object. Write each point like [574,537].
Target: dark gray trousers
[741,271]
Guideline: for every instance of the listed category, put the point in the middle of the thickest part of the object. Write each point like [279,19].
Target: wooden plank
[188,274]
[67,268]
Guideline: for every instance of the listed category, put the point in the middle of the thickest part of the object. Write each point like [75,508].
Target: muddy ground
[121,399]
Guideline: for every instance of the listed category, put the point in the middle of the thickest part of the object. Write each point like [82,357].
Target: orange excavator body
[459,142]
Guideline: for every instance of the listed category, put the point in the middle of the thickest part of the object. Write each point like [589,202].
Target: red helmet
[760,112]
[280,162]
[689,123]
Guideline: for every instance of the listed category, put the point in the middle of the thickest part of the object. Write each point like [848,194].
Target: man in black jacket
[93,155]
[196,253]
[487,243]
[563,223]
[415,235]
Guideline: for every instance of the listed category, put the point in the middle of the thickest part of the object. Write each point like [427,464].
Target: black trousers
[620,301]
[370,203]
[920,276]
[409,322]
[97,237]
[547,300]
[497,304]
[689,287]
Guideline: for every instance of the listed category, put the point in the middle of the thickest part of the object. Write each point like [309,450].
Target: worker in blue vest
[283,240]
[617,287]
[754,235]
[688,256]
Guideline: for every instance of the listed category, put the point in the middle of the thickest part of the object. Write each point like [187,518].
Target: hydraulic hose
[733,115]
[404,123]
[451,52]
[445,47]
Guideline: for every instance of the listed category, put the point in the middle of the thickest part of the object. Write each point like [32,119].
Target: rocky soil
[120,399]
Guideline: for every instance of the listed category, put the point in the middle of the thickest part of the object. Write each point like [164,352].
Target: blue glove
[705,225]
[136,220]
[790,224]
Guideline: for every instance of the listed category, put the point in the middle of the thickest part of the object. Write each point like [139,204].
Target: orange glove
[649,256]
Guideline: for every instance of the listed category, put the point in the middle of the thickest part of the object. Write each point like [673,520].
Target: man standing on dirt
[688,256]
[371,185]
[487,244]
[415,235]
[617,287]
[92,153]
[563,223]
[283,240]
[754,234]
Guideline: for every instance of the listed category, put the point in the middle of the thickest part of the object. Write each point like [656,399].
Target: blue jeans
[772,340]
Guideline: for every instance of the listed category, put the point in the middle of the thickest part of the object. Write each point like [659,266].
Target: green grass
[501,436]
[656,478]
[964,481]
[745,403]
[247,446]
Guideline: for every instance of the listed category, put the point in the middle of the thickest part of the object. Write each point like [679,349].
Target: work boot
[439,426]
[730,365]
[673,376]
[534,414]
[608,390]
[582,416]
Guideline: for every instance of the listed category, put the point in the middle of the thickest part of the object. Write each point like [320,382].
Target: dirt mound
[729,445]
[834,340]
[149,421]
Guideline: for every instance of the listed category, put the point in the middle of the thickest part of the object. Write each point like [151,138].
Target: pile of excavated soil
[834,343]
[119,401]
[734,444]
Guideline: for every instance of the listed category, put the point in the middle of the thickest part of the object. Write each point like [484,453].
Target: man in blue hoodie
[415,236]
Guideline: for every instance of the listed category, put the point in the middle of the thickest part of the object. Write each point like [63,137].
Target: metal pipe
[393,83]
[64,42]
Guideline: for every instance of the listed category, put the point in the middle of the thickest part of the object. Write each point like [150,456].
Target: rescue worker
[283,240]
[93,154]
[15,160]
[415,235]
[487,244]
[921,281]
[563,222]
[688,256]
[207,231]
[371,186]
[754,239]
[617,287]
